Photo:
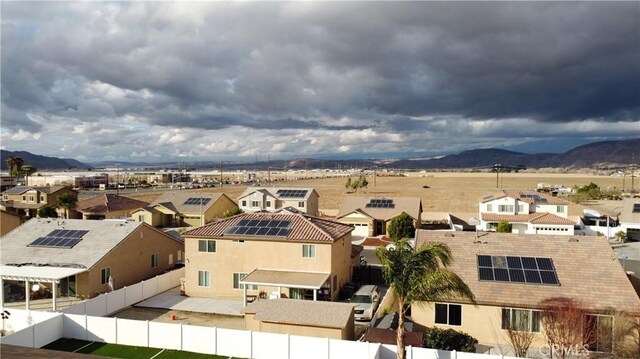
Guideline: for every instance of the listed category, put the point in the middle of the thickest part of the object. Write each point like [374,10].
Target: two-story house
[184,209]
[287,255]
[527,212]
[371,216]
[630,218]
[515,276]
[25,200]
[255,199]
[108,206]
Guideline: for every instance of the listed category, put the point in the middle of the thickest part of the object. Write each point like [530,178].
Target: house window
[520,208]
[597,333]
[560,209]
[154,260]
[255,204]
[104,275]
[179,255]
[521,320]
[204,279]
[489,207]
[300,204]
[141,218]
[308,250]
[24,198]
[32,198]
[42,198]
[448,314]
[335,282]
[268,204]
[5,197]
[206,245]
[171,259]
[238,241]
[244,203]
[237,277]
[505,208]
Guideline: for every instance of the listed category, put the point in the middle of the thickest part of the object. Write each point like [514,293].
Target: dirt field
[191,318]
[453,192]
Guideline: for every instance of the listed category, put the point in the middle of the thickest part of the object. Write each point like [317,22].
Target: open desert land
[454,192]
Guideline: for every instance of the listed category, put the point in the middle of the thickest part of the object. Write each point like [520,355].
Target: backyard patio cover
[289,279]
[38,273]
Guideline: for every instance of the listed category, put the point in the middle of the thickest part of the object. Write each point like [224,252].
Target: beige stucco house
[370,216]
[511,274]
[77,258]
[271,199]
[527,212]
[108,206]
[8,222]
[630,218]
[298,317]
[284,255]
[26,201]
[184,209]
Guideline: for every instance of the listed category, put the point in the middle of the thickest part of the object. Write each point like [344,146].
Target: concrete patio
[172,299]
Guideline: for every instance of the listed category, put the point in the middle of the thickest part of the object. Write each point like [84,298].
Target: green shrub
[449,339]
[503,227]
[231,212]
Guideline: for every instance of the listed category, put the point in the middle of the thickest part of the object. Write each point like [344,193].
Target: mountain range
[598,154]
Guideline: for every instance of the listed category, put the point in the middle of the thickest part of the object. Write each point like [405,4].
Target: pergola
[287,279]
[35,274]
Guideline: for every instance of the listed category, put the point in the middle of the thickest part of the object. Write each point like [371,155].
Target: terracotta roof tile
[536,218]
[518,195]
[109,203]
[410,205]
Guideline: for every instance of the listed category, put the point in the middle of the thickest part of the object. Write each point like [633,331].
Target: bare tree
[520,340]
[564,327]
[626,335]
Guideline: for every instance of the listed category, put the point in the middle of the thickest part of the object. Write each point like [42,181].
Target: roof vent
[575,240]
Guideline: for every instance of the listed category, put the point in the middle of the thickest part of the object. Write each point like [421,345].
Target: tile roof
[109,203]
[535,218]
[102,237]
[627,215]
[587,268]
[518,195]
[302,312]
[410,205]
[43,189]
[272,191]
[303,227]
[175,201]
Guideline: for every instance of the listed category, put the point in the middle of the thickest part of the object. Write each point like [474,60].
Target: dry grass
[453,192]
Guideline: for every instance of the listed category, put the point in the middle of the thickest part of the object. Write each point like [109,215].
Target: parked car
[366,299]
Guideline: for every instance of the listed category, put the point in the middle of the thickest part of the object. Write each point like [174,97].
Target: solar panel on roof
[197,201]
[636,208]
[515,269]
[292,193]
[260,227]
[380,203]
[59,238]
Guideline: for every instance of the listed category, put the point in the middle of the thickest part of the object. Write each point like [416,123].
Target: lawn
[122,351]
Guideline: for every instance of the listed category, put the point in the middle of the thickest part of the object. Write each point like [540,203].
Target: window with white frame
[204,279]
[520,208]
[521,320]
[597,332]
[505,208]
[300,204]
[206,245]
[237,277]
[42,198]
[32,198]
[244,203]
[154,260]
[489,207]
[255,203]
[105,273]
[268,204]
[308,250]
[141,218]
[24,198]
[448,314]
[560,209]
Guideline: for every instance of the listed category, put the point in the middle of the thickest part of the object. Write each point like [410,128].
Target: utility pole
[269,169]
[633,171]
[117,179]
[221,180]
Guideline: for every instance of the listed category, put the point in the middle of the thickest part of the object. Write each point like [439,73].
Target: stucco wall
[8,222]
[320,332]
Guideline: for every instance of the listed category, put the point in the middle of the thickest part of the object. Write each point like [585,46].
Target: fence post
[454,354]
[215,344]
[125,296]
[409,351]
[251,344]
[148,334]
[328,348]
[86,324]
[181,337]
[288,346]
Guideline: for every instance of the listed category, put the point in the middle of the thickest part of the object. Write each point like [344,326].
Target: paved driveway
[173,300]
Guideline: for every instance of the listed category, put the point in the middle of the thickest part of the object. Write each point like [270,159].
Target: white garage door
[360,231]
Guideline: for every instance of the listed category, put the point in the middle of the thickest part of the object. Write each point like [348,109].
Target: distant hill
[41,162]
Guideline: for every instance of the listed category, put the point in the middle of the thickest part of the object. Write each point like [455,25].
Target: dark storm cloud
[400,67]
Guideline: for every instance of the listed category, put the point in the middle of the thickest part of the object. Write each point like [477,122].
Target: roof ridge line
[307,219]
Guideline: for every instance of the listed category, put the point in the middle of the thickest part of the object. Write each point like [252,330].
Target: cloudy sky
[165,81]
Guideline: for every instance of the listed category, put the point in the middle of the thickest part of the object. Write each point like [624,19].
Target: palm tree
[419,275]
[11,164]
[67,202]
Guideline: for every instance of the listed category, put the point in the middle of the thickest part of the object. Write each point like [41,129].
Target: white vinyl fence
[48,327]
[109,303]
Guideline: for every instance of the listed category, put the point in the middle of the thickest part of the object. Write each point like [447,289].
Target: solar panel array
[16,189]
[517,269]
[197,201]
[260,227]
[536,198]
[380,203]
[292,193]
[59,238]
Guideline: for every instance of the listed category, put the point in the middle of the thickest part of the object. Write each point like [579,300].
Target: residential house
[370,216]
[8,222]
[180,209]
[255,199]
[283,255]
[527,212]
[298,317]
[511,274]
[80,258]
[630,218]
[25,200]
[108,206]
[75,180]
